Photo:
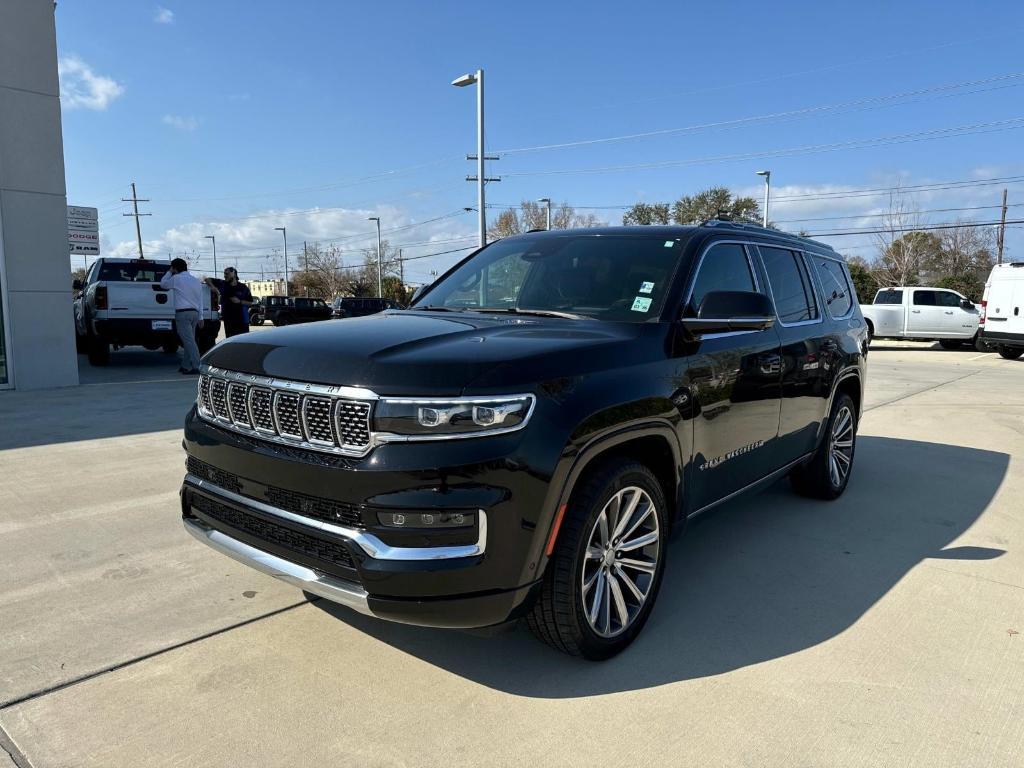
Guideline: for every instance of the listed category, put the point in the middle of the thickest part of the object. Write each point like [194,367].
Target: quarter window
[835,287]
[790,284]
[725,267]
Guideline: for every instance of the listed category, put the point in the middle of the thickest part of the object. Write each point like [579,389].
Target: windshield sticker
[669,243]
[646,287]
[641,304]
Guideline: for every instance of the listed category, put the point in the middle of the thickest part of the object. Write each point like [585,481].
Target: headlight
[423,419]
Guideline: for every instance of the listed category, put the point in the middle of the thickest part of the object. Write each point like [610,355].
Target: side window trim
[747,248]
[802,259]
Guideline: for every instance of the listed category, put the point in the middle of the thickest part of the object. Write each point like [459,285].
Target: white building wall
[33,200]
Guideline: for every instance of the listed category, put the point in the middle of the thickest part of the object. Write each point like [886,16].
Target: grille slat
[286,412]
[239,406]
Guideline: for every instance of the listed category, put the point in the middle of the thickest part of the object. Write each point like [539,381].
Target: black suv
[524,438]
[358,306]
[280,310]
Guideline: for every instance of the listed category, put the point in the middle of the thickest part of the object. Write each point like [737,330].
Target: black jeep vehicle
[280,310]
[524,438]
[360,306]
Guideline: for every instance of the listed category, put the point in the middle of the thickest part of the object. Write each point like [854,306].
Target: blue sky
[235,118]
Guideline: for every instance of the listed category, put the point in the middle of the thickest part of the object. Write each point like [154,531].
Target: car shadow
[933,347]
[759,578]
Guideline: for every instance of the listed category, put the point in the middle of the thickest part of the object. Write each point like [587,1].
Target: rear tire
[98,351]
[603,577]
[1010,353]
[827,473]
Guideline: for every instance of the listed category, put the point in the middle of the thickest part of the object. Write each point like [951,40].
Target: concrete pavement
[883,629]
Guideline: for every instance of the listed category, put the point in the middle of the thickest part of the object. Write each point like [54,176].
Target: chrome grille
[286,414]
[310,416]
[219,398]
[352,419]
[316,417]
[261,405]
[237,403]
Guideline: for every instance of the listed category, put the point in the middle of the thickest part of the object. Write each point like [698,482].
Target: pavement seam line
[11,749]
[923,391]
[144,657]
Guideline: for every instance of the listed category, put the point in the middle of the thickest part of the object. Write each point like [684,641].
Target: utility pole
[135,200]
[401,269]
[284,234]
[213,239]
[477,79]
[1002,231]
[305,257]
[380,275]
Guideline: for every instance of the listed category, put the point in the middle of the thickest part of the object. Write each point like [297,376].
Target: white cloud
[80,86]
[186,123]
[163,16]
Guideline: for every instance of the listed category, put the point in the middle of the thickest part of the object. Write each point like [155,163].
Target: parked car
[524,438]
[1002,310]
[256,312]
[281,310]
[351,306]
[120,304]
[920,312]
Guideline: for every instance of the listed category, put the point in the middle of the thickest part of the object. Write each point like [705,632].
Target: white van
[1002,310]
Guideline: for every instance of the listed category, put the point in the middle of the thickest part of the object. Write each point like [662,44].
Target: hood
[418,352]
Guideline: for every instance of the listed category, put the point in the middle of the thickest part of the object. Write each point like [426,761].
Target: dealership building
[37,341]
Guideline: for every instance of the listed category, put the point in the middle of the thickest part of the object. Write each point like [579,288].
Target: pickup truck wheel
[603,577]
[825,476]
[1010,353]
[170,347]
[950,343]
[98,351]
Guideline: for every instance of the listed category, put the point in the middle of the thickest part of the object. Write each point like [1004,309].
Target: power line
[933,187]
[887,230]
[774,116]
[888,213]
[904,138]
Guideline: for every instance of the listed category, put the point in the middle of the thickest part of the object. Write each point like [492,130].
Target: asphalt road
[885,629]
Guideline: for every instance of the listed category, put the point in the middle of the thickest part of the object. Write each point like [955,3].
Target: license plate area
[161,325]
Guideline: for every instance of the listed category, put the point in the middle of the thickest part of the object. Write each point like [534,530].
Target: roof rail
[761,228]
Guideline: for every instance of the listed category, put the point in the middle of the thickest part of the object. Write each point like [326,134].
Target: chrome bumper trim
[369,543]
[335,590]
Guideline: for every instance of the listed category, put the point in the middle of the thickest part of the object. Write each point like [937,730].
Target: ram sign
[83,230]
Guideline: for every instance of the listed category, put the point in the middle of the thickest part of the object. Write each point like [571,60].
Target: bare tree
[904,250]
[531,215]
[323,272]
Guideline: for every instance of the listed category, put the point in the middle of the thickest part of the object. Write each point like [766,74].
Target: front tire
[603,577]
[827,473]
[1010,353]
[950,343]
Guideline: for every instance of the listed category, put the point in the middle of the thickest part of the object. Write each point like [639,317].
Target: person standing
[235,300]
[187,295]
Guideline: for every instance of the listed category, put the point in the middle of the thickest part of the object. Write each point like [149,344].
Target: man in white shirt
[187,295]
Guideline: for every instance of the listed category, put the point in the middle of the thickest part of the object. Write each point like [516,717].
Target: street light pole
[380,279]
[767,193]
[477,78]
[548,201]
[284,233]
[214,239]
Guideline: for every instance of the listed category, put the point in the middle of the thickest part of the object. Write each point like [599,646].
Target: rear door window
[725,267]
[790,285]
[835,287]
[889,296]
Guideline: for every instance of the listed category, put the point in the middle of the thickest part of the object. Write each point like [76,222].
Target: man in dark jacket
[235,300]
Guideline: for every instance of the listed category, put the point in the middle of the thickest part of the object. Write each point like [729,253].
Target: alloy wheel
[840,447]
[620,562]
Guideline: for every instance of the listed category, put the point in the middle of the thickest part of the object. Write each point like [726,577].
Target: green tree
[970,286]
[647,213]
[709,204]
[864,282]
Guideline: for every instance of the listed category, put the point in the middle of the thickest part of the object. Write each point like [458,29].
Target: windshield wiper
[535,312]
[434,308]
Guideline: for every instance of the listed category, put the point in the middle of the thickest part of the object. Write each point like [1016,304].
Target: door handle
[916,311]
[949,312]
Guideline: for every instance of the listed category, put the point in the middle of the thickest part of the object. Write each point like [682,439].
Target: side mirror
[726,311]
[967,304]
[76,285]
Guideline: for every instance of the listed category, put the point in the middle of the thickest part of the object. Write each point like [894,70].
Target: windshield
[132,272]
[608,277]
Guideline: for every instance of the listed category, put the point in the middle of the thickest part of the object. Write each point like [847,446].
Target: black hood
[421,353]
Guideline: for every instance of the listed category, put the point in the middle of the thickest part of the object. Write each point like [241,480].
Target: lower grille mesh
[310,546]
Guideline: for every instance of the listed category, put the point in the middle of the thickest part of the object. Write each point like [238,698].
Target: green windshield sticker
[669,243]
[641,304]
[646,287]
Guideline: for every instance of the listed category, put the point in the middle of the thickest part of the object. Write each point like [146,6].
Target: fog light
[426,519]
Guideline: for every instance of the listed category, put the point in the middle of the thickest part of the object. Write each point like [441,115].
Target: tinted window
[835,287]
[611,277]
[725,267]
[132,272]
[889,296]
[790,284]
[947,299]
[924,298]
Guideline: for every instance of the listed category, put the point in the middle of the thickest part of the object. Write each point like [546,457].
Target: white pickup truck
[121,304]
[919,312]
